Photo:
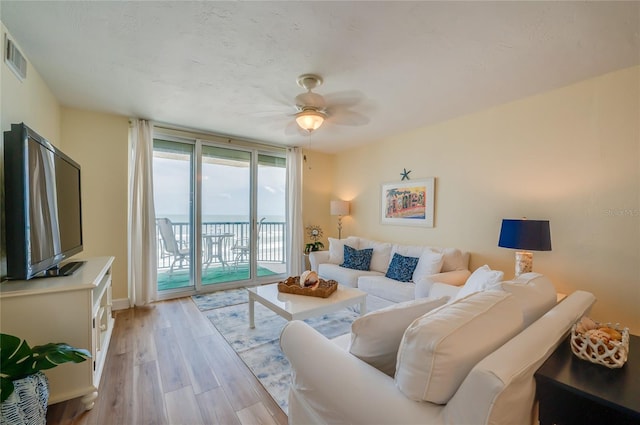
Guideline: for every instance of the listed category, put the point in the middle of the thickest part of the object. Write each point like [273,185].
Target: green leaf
[6,388]
[16,357]
[51,355]
[18,360]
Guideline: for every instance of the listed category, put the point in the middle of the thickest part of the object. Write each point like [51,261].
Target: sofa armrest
[321,370]
[444,290]
[318,257]
[452,278]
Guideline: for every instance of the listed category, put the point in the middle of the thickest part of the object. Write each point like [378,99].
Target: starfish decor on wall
[405,174]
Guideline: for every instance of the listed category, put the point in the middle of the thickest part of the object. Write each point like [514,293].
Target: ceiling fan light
[310,120]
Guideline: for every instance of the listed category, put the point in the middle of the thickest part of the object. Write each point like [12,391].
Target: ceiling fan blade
[346,98]
[293,129]
[343,116]
[311,99]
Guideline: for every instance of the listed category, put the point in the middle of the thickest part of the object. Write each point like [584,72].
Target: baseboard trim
[120,304]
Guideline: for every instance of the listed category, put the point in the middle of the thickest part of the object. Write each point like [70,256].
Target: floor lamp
[340,208]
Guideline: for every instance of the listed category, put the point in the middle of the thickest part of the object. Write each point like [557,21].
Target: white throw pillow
[376,336]
[430,262]
[482,279]
[409,250]
[534,292]
[336,248]
[380,258]
[439,349]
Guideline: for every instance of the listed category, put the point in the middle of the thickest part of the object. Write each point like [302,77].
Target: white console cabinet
[72,309]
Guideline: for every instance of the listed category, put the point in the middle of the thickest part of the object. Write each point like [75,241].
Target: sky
[225,189]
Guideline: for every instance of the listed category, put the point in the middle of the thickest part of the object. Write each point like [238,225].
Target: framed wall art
[408,203]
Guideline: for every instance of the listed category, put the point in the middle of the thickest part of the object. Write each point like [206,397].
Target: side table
[575,391]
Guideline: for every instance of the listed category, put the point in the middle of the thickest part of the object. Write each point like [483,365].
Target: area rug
[259,348]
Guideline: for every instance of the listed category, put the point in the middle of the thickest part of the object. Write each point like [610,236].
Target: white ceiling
[231,67]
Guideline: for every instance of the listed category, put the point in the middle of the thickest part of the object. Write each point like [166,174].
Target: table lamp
[339,208]
[525,235]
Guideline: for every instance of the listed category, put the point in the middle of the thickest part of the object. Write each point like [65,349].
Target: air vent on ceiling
[14,59]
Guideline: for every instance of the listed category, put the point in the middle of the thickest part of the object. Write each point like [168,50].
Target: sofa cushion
[454,260]
[381,254]
[342,275]
[440,348]
[336,248]
[430,263]
[534,292]
[388,289]
[408,250]
[376,336]
[401,268]
[357,259]
[482,279]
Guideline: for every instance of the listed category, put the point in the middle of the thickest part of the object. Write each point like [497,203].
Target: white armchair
[329,385]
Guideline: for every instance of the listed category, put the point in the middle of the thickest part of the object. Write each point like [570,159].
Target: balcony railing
[271,242]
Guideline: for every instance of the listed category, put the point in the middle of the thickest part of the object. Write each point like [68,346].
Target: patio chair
[171,245]
[242,247]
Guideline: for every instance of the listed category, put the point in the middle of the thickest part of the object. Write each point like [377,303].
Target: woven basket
[612,354]
[292,286]
[27,405]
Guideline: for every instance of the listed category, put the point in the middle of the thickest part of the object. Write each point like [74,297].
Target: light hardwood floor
[167,364]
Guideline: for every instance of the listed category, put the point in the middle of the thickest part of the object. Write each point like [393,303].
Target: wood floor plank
[195,320]
[255,414]
[173,371]
[115,398]
[216,409]
[231,377]
[142,335]
[121,341]
[148,397]
[182,407]
[200,372]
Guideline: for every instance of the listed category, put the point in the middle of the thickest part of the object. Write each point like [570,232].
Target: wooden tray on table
[292,286]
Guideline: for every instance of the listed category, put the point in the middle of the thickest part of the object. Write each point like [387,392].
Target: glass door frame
[196,213]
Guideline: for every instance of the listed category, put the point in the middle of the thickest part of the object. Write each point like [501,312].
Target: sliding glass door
[226,214]
[226,208]
[173,190]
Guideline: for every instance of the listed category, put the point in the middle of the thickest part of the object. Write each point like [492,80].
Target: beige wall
[571,156]
[99,143]
[29,101]
[317,194]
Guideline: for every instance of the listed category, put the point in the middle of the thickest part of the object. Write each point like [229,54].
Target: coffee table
[299,307]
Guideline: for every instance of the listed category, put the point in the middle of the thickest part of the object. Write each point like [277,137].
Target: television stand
[65,270]
[69,268]
[74,309]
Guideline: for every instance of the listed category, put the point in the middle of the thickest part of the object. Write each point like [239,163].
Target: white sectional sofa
[445,265]
[469,361]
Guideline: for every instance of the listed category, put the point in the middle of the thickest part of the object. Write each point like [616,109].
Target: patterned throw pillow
[357,259]
[401,267]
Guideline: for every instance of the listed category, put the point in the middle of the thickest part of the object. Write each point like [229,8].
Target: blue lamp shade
[530,235]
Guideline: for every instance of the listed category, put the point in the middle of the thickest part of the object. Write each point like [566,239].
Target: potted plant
[315,233]
[24,389]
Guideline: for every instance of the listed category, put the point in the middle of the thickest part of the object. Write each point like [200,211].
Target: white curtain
[295,236]
[143,270]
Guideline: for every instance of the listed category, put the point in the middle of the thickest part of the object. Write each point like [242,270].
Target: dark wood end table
[575,391]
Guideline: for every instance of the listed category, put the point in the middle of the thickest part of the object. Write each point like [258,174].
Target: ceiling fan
[314,109]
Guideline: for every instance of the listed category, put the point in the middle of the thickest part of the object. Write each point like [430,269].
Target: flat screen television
[43,212]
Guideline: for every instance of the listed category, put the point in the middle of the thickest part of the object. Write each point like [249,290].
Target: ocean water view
[220,218]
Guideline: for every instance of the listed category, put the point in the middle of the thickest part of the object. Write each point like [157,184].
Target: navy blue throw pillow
[402,268]
[357,260]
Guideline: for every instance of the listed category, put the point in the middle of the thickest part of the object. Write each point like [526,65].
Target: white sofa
[445,265]
[331,385]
